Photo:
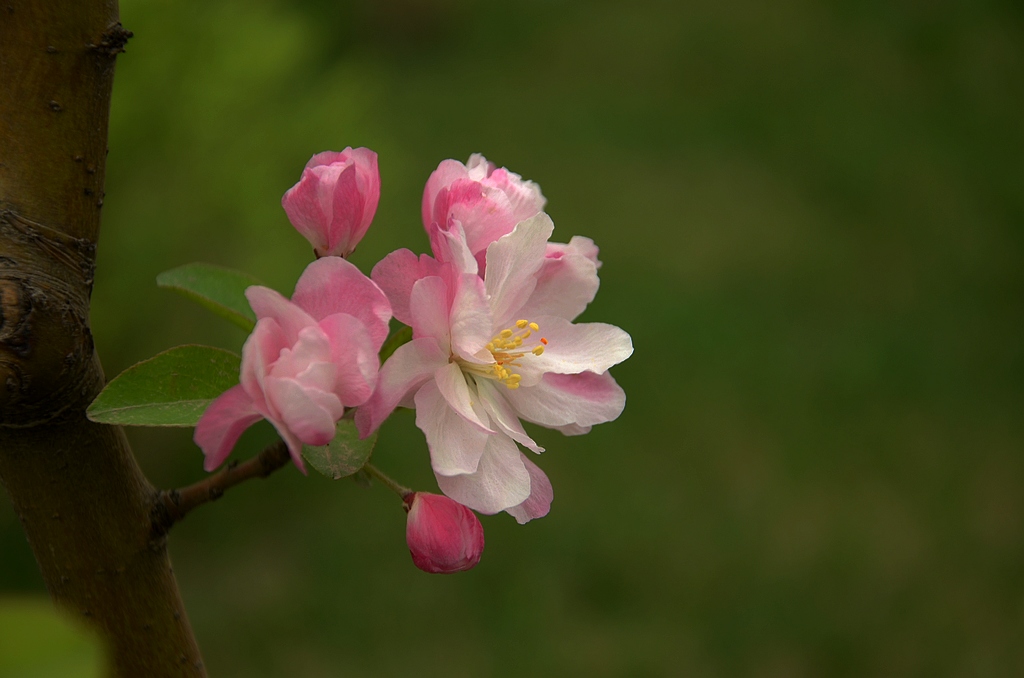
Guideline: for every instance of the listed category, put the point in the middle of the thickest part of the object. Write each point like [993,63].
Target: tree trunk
[82,499]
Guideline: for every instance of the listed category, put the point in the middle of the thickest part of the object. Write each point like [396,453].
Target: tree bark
[82,499]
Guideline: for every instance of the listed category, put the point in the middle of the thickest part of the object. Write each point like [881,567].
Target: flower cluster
[493,343]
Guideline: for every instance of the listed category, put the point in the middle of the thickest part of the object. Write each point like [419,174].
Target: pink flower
[443,535]
[335,200]
[486,202]
[306,361]
[489,351]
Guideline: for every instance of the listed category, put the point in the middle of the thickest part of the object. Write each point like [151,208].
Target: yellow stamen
[506,348]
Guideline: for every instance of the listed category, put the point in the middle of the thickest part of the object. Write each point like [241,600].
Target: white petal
[406,370]
[449,246]
[500,482]
[501,412]
[563,400]
[566,283]
[455,444]
[471,322]
[451,382]
[572,349]
[512,263]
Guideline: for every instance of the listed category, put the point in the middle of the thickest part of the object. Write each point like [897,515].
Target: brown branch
[171,506]
[75,485]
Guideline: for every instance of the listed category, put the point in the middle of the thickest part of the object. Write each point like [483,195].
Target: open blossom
[335,200]
[306,361]
[490,350]
[443,535]
[486,202]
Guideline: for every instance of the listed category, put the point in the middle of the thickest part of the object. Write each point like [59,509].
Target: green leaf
[170,389]
[222,290]
[344,455]
[400,336]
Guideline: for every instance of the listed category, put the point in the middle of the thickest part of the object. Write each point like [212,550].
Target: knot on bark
[46,348]
[113,40]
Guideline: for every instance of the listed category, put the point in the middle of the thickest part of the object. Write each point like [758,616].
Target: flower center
[506,348]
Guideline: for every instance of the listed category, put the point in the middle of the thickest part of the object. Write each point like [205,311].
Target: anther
[538,350]
[521,323]
[534,326]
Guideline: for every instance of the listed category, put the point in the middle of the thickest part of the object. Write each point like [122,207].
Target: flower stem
[400,490]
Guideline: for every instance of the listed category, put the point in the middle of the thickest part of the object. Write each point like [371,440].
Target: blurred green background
[810,218]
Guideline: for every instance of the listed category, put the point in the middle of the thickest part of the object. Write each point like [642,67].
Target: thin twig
[173,505]
[401,490]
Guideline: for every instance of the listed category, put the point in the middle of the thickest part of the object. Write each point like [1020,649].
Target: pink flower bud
[443,535]
[335,200]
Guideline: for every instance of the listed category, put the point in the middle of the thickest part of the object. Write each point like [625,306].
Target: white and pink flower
[306,361]
[486,202]
[334,202]
[490,350]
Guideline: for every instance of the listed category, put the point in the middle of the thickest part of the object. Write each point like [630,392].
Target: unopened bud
[443,535]
[335,200]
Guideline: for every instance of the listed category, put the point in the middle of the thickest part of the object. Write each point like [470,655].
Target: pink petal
[484,212]
[268,303]
[302,204]
[368,176]
[455,444]
[571,349]
[512,264]
[539,502]
[332,285]
[354,354]
[566,283]
[293,443]
[446,173]
[577,245]
[308,413]
[327,158]
[406,370]
[561,400]
[396,273]
[345,230]
[431,306]
[260,351]
[524,197]
[223,422]
[501,412]
[312,346]
[501,480]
